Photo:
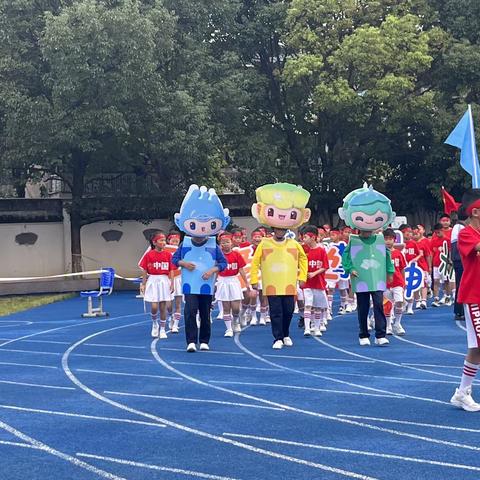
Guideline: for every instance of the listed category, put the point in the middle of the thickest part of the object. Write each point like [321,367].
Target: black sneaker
[460,317]
[301,322]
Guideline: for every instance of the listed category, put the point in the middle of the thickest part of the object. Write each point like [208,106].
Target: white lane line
[386,362]
[320,358]
[144,375]
[17,444]
[34,365]
[113,346]
[332,379]
[155,467]
[431,365]
[134,359]
[195,364]
[209,352]
[430,347]
[24,384]
[195,400]
[76,324]
[57,453]
[310,412]
[54,342]
[461,325]
[79,415]
[405,422]
[356,452]
[311,389]
[191,430]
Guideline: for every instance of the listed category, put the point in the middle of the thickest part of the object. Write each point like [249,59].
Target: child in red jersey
[157,282]
[395,288]
[412,254]
[229,290]
[315,288]
[440,281]
[469,295]
[424,262]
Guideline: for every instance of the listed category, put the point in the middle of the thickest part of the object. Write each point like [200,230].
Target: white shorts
[315,298]
[472,322]
[343,284]
[331,284]
[300,296]
[177,289]
[157,289]
[395,294]
[437,275]
[228,289]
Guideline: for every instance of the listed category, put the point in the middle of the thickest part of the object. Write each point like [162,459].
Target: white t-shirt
[456,230]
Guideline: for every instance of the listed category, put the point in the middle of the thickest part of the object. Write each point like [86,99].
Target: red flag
[450,205]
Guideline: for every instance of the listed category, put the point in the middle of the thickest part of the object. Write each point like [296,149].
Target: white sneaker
[436,303]
[191,347]
[410,311]
[398,330]
[306,332]
[329,316]
[443,300]
[163,334]
[347,309]
[341,311]
[418,305]
[155,329]
[317,333]
[364,341]
[174,329]
[389,329]
[253,320]
[267,319]
[229,333]
[277,345]
[381,342]
[287,341]
[262,320]
[237,328]
[463,399]
[448,302]
[204,346]
[323,328]
[423,305]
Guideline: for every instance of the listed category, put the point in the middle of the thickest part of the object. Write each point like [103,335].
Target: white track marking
[209,352]
[53,342]
[310,412]
[355,452]
[311,389]
[405,422]
[14,350]
[42,332]
[432,366]
[195,400]
[332,379]
[23,384]
[34,365]
[17,444]
[79,415]
[385,362]
[56,453]
[430,347]
[191,430]
[133,359]
[155,467]
[195,364]
[461,325]
[103,372]
[320,359]
[113,346]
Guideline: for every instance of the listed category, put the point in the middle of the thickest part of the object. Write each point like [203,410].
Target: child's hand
[354,273]
[142,288]
[301,283]
[172,287]
[207,274]
[389,278]
[311,274]
[190,266]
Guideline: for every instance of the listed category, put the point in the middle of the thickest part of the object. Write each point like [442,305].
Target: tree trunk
[79,165]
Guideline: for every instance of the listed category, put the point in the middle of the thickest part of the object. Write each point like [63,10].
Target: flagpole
[475,180]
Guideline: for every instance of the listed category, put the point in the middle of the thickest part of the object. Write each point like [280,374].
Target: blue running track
[97,398]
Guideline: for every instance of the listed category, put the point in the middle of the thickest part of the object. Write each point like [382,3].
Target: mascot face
[366,209]
[202,213]
[281,205]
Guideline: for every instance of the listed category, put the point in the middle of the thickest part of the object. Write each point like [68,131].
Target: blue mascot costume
[201,217]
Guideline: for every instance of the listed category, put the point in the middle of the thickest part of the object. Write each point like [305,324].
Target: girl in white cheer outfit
[157,282]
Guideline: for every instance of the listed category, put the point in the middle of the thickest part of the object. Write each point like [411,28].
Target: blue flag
[463,137]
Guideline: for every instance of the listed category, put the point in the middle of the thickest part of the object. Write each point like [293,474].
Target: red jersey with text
[436,245]
[317,258]
[400,263]
[411,250]
[235,262]
[469,291]
[424,247]
[157,263]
